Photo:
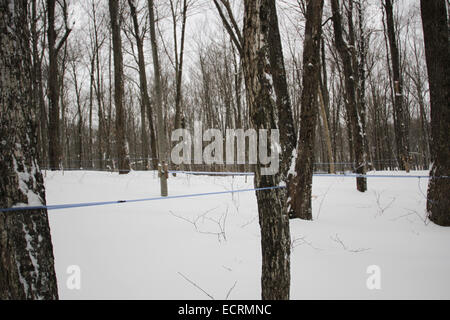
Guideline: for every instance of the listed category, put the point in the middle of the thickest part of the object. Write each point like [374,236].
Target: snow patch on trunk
[26,179]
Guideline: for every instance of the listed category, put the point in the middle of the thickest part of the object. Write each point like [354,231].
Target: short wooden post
[163,174]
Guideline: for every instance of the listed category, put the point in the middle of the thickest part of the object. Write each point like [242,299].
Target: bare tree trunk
[361,58]
[237,69]
[162,141]
[179,62]
[435,29]
[54,146]
[400,125]
[326,131]
[145,99]
[121,141]
[260,22]
[38,92]
[351,102]
[91,102]
[26,253]
[301,185]
[324,100]
[99,92]
[64,158]
[80,115]
[288,136]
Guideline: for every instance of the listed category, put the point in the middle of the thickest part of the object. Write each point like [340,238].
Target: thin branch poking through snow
[382,208]
[301,240]
[221,223]
[338,240]
[323,199]
[231,289]
[195,285]
[249,222]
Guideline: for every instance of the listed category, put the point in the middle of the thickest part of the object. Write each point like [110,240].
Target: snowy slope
[154,250]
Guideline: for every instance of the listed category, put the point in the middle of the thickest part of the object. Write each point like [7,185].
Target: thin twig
[338,240]
[195,285]
[231,289]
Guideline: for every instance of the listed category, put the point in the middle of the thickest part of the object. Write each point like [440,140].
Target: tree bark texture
[400,119]
[26,252]
[121,142]
[162,140]
[259,70]
[350,95]
[436,36]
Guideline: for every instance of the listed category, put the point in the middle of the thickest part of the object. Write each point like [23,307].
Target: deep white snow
[149,250]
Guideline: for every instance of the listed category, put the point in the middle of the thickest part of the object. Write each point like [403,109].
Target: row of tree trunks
[353,115]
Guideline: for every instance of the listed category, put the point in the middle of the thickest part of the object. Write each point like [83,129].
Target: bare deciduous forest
[203,80]
[353,86]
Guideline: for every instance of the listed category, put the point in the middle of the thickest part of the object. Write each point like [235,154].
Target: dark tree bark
[54,142]
[99,92]
[121,141]
[361,64]
[324,102]
[179,62]
[145,99]
[259,55]
[400,118]
[230,24]
[436,36]
[38,91]
[350,94]
[80,115]
[288,136]
[26,253]
[53,90]
[91,103]
[301,185]
[162,140]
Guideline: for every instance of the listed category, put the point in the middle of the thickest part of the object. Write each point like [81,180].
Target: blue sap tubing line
[93,204]
[349,175]
[103,203]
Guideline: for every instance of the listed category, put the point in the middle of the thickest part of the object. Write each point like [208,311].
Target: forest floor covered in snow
[209,246]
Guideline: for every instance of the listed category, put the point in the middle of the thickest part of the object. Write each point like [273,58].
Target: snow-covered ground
[160,249]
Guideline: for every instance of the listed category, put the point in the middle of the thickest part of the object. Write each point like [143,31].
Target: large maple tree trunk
[435,30]
[264,72]
[26,253]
